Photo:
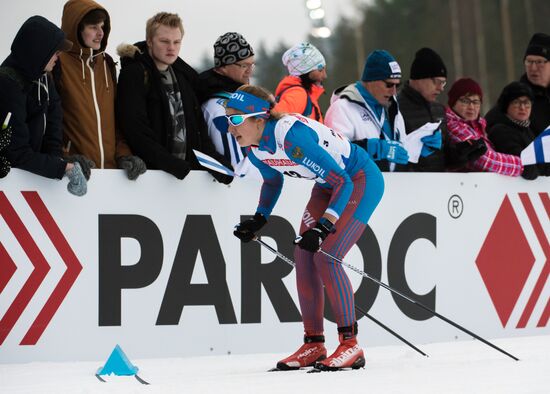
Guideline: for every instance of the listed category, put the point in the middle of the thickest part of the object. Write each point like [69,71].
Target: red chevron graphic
[41,267]
[541,281]
[543,322]
[67,280]
[7,267]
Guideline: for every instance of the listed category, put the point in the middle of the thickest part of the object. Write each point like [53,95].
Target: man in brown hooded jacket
[86,80]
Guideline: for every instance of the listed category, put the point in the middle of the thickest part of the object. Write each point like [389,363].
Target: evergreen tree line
[481,39]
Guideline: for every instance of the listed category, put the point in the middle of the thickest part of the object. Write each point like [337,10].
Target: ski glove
[133,166]
[386,150]
[431,143]
[246,230]
[5,167]
[222,178]
[5,138]
[86,164]
[312,239]
[77,181]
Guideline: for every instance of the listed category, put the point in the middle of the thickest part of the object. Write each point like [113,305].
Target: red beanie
[463,87]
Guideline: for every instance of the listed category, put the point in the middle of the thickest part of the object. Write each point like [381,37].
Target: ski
[135,376]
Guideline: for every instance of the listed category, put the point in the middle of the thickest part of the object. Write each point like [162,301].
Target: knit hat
[230,48]
[463,87]
[303,58]
[539,46]
[427,64]
[511,92]
[380,65]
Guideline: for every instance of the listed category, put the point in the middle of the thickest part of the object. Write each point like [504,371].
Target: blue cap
[380,65]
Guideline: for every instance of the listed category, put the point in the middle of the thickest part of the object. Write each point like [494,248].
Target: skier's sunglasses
[237,120]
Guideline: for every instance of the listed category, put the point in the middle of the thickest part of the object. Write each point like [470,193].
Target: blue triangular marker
[118,364]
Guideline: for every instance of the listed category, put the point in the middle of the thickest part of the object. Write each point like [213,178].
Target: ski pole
[387,287]
[292,263]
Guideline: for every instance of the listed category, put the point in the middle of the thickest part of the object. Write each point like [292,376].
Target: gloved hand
[86,164]
[246,230]
[389,150]
[312,239]
[5,167]
[458,155]
[5,138]
[77,181]
[222,178]
[431,143]
[133,165]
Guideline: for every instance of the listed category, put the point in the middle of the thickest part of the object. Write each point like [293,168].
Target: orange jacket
[294,97]
[86,82]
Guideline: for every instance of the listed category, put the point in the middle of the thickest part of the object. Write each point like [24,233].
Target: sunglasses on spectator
[538,63]
[465,101]
[518,103]
[391,85]
[237,120]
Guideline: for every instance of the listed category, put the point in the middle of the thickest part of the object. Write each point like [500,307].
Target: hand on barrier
[312,239]
[86,164]
[77,181]
[5,167]
[246,230]
[5,137]
[133,165]
[222,178]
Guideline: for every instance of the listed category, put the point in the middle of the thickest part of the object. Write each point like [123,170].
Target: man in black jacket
[157,107]
[417,102]
[28,93]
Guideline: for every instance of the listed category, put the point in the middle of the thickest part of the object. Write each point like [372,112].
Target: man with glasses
[417,103]
[233,67]
[368,114]
[157,107]
[537,77]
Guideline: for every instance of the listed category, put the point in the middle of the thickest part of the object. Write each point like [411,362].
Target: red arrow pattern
[41,268]
[546,314]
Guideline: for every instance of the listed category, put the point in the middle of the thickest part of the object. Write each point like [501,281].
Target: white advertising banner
[153,266]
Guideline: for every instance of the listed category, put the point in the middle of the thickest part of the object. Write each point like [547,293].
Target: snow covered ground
[458,367]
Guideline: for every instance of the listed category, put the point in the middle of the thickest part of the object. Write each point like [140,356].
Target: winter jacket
[352,116]
[461,130]
[540,112]
[144,117]
[214,91]
[293,98]
[30,95]
[417,111]
[511,138]
[86,81]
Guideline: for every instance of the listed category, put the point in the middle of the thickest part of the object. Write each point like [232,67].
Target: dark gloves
[133,165]
[312,239]
[5,166]
[246,230]
[86,164]
[222,178]
[5,138]
[460,154]
[77,181]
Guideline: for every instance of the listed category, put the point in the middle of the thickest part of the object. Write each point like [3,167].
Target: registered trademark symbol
[455,206]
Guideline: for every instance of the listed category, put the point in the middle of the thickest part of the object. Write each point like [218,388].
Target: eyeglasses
[245,66]
[518,103]
[439,82]
[538,63]
[391,85]
[465,101]
[237,120]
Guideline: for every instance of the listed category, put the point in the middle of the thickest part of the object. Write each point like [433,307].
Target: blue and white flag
[211,163]
[538,151]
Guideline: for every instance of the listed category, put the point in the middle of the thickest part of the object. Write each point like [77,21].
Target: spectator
[29,94]
[511,132]
[466,127]
[417,103]
[157,108]
[233,67]
[299,92]
[368,114]
[86,80]
[537,77]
